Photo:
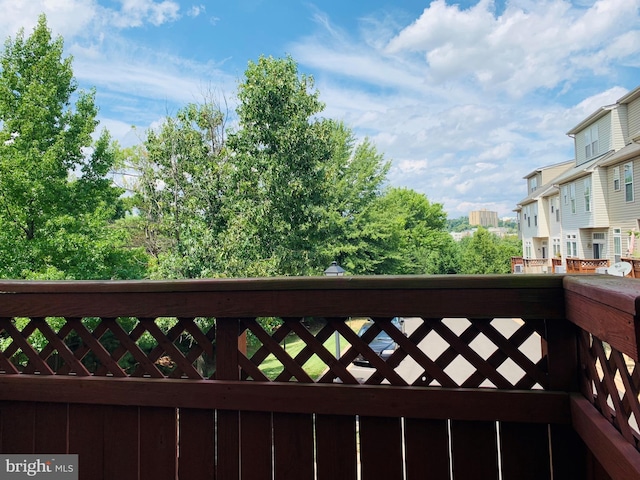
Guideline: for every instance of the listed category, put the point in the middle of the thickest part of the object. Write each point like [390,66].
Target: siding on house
[619,128]
[619,209]
[604,139]
[599,198]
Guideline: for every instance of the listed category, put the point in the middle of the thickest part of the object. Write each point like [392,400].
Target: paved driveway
[459,370]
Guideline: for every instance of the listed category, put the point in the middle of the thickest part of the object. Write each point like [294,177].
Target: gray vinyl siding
[620,210]
[554,226]
[633,115]
[604,139]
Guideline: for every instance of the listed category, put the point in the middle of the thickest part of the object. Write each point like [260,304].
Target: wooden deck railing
[585,265]
[498,377]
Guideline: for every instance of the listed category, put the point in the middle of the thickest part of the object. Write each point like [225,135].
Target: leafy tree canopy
[56,200]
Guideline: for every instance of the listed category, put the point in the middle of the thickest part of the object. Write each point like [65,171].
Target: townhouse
[587,211]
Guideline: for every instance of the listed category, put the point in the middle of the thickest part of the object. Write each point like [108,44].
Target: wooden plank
[619,458]
[474,450]
[293,448]
[617,292]
[331,399]
[616,327]
[524,449]
[433,282]
[196,448]
[228,444]
[426,449]
[446,296]
[256,446]
[158,443]
[568,453]
[595,470]
[52,428]
[121,446]
[380,448]
[86,438]
[336,451]
[18,427]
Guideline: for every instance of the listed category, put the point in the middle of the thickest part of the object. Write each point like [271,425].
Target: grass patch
[314,367]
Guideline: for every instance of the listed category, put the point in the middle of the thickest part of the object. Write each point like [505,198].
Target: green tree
[401,232]
[280,155]
[55,198]
[181,190]
[486,253]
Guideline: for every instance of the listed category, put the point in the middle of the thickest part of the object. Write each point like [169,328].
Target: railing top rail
[371,282]
[437,296]
[607,307]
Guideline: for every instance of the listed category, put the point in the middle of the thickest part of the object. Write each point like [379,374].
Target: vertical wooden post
[228,421]
[568,453]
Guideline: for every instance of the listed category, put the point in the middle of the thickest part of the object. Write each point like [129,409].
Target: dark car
[382,344]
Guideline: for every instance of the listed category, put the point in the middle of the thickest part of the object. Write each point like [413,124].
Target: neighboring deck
[552,393]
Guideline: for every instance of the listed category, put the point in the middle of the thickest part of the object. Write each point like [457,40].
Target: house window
[572,246]
[628,181]
[591,142]
[527,250]
[533,184]
[616,178]
[535,215]
[565,194]
[617,244]
[587,194]
[556,247]
[572,197]
[558,211]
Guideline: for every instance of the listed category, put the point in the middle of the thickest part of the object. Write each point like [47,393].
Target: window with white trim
[556,247]
[533,184]
[565,194]
[628,182]
[616,178]
[572,197]
[617,244]
[591,142]
[587,194]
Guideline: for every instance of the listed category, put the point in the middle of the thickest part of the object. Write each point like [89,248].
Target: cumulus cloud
[467,100]
[529,45]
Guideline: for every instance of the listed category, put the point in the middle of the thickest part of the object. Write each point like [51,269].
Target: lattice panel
[184,348]
[494,353]
[611,381]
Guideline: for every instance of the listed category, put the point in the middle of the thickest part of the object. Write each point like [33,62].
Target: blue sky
[464,97]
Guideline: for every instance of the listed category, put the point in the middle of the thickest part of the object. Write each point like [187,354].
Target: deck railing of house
[585,265]
[510,377]
[635,266]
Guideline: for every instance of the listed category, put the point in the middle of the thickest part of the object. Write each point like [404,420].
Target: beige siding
[599,198]
[633,115]
[619,128]
[619,209]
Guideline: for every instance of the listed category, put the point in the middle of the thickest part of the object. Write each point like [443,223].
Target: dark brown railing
[493,377]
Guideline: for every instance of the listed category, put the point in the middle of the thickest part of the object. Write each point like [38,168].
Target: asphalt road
[459,370]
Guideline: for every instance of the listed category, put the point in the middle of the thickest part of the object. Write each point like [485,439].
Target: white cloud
[530,45]
[196,10]
[135,13]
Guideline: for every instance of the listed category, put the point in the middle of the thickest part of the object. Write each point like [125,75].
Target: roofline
[598,114]
[538,170]
[631,96]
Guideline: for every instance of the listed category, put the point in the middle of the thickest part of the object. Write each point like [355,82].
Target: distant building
[484,218]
